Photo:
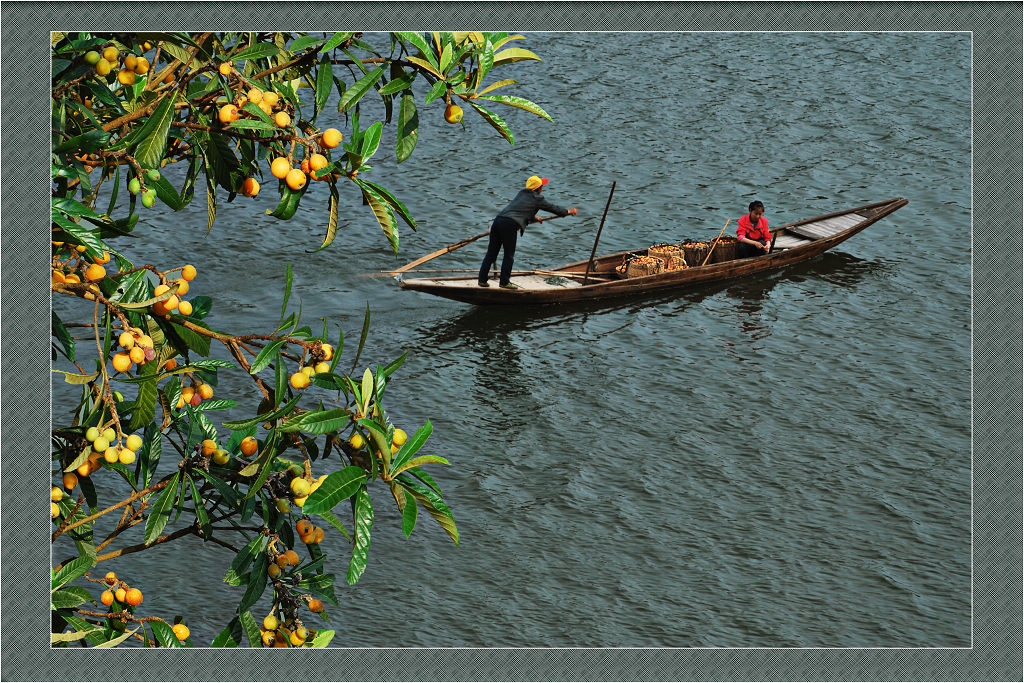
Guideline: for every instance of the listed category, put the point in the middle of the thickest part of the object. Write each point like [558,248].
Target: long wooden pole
[593,251]
[439,252]
[716,240]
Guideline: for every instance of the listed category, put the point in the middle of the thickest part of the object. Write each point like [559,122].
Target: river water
[782,461]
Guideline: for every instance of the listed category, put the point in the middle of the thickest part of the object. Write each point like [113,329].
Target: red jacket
[745,229]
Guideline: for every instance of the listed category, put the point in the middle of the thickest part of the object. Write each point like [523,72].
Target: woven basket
[665,252]
[634,269]
[725,250]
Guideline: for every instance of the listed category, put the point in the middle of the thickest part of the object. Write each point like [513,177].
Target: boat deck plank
[828,227]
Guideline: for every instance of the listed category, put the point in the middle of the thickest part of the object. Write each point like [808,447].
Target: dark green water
[783,461]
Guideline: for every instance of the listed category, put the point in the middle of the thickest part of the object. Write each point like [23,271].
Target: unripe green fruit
[91,57]
[220,457]
[134,186]
[100,444]
[91,434]
[153,175]
[282,505]
[149,199]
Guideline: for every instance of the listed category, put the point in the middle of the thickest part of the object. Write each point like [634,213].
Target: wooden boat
[793,243]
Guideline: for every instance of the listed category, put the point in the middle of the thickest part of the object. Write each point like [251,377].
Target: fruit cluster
[109,61]
[318,363]
[249,102]
[287,632]
[101,447]
[121,598]
[70,265]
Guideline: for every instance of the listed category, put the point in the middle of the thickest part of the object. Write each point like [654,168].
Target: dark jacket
[524,206]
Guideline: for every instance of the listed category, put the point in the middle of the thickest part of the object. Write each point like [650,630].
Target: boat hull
[573,289]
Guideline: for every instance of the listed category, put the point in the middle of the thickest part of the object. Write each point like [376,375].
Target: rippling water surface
[782,461]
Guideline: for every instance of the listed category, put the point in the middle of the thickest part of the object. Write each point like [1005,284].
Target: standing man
[752,232]
[520,211]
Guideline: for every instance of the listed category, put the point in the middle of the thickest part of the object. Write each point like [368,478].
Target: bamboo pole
[593,251]
[716,240]
[439,252]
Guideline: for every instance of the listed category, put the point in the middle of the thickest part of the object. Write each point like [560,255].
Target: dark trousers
[503,236]
[744,250]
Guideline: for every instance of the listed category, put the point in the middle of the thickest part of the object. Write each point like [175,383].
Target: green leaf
[382,212]
[200,504]
[417,462]
[336,40]
[71,378]
[420,44]
[94,636]
[409,448]
[362,515]
[439,88]
[332,217]
[164,634]
[446,58]
[434,504]
[318,421]
[486,62]
[408,129]
[230,636]
[252,629]
[62,335]
[265,417]
[262,464]
[289,202]
[72,636]
[519,103]
[70,596]
[87,142]
[324,81]
[257,51]
[496,122]
[257,583]
[322,638]
[334,522]
[266,356]
[79,234]
[403,82]
[392,201]
[152,144]
[362,338]
[211,202]
[71,571]
[513,54]
[160,513]
[497,84]
[243,559]
[408,514]
[145,404]
[252,124]
[116,641]
[304,42]
[338,486]
[371,140]
[216,404]
[356,91]
[149,455]
[321,584]
[166,192]
[71,207]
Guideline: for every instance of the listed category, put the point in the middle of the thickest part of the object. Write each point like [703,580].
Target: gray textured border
[996,654]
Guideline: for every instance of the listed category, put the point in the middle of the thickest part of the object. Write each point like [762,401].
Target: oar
[439,252]
[593,251]
[716,240]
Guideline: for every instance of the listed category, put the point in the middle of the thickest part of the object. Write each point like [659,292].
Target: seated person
[752,234]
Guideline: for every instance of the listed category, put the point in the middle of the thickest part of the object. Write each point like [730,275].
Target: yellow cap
[533,182]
